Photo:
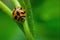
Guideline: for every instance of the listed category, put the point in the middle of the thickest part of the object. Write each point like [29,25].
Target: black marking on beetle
[15,17]
[18,13]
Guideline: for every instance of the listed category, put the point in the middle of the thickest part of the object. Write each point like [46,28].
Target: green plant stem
[27,31]
[25,24]
[5,9]
[16,3]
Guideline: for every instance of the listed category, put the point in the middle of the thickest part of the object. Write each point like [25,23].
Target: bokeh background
[46,18]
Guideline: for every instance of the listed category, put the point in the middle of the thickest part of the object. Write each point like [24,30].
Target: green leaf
[9,30]
[46,19]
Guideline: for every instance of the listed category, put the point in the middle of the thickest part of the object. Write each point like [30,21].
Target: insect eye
[18,13]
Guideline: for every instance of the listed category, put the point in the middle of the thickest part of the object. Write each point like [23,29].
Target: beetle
[19,14]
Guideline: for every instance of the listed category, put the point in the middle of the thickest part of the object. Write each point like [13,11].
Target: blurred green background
[46,19]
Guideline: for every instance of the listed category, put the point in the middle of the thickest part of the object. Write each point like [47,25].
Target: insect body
[19,14]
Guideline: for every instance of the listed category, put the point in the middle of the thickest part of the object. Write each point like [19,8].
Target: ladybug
[19,14]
